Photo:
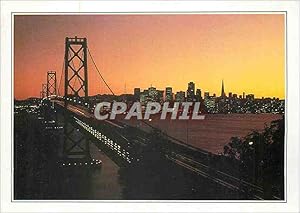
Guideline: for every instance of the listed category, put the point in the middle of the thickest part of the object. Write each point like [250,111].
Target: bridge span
[131,147]
[128,146]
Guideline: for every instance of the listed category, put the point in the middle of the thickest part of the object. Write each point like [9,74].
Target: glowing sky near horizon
[246,50]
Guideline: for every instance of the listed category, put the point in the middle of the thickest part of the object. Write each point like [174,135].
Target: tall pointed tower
[222,91]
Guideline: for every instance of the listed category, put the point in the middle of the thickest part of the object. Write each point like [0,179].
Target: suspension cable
[61,76]
[110,88]
[99,72]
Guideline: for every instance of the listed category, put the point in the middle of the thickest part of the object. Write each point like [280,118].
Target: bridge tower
[51,83]
[44,91]
[76,145]
[76,67]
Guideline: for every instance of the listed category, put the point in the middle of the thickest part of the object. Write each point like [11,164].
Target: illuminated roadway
[180,159]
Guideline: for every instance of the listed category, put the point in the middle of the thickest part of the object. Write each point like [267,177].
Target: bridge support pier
[76,145]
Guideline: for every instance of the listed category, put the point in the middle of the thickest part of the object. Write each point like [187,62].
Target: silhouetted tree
[260,156]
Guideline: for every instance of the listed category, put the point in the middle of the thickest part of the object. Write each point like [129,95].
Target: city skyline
[200,48]
[223,93]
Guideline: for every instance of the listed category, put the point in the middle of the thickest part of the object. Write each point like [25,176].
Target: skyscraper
[152,94]
[144,97]
[136,93]
[179,97]
[169,94]
[222,90]
[210,104]
[159,96]
[250,97]
[206,95]
[190,93]
[198,95]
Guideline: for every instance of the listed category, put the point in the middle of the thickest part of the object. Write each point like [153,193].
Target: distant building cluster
[153,95]
[150,95]
[30,105]
[231,103]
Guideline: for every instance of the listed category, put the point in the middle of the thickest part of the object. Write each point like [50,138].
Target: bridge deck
[191,158]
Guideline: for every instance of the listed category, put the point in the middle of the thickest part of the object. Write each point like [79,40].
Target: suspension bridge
[66,106]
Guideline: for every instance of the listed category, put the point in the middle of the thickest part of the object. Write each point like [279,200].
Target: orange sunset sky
[246,50]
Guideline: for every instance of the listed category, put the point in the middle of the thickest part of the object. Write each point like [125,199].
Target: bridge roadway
[181,154]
